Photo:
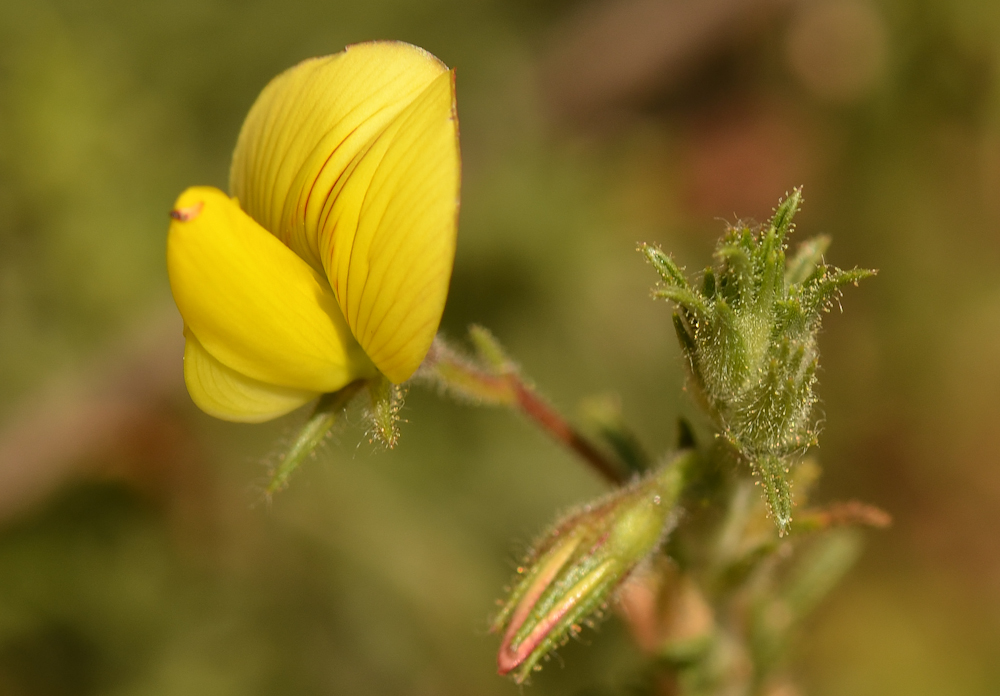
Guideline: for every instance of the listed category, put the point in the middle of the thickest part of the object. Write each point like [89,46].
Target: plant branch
[503,385]
[551,421]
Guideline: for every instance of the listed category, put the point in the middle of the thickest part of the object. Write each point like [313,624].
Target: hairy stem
[552,422]
[503,385]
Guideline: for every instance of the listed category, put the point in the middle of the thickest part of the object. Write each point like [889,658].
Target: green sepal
[773,476]
[386,403]
[328,409]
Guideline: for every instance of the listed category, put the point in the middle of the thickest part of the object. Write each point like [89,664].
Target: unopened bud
[749,336]
[572,572]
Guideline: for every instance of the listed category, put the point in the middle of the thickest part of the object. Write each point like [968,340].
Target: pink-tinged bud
[573,571]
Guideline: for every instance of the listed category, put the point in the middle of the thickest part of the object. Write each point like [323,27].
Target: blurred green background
[136,555]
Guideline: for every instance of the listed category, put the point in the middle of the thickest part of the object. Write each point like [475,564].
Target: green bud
[749,336]
[573,571]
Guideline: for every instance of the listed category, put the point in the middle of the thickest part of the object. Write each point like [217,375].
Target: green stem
[328,410]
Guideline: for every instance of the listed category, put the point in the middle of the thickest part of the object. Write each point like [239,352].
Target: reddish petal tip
[188,213]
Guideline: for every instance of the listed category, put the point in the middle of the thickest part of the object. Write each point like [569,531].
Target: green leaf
[807,259]
[488,348]
[328,409]
[777,491]
[665,266]
[781,222]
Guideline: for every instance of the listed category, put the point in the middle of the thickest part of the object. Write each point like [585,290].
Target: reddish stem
[504,386]
[552,422]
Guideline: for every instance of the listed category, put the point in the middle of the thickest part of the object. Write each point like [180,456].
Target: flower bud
[749,336]
[575,568]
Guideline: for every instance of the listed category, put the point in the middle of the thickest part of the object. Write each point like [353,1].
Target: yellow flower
[331,261]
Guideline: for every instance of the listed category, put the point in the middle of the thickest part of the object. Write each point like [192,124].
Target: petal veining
[252,303]
[310,123]
[352,160]
[388,243]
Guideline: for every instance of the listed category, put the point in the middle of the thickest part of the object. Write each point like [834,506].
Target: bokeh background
[136,554]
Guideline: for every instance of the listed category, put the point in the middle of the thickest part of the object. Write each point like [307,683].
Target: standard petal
[305,131]
[252,303]
[223,392]
[388,240]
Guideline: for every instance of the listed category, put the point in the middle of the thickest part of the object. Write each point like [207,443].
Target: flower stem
[501,384]
[327,411]
[552,422]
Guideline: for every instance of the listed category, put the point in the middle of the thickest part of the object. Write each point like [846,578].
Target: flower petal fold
[252,304]
[391,276]
[308,126]
[223,392]
[352,160]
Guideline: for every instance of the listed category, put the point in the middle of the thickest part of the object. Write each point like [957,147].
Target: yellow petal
[252,303]
[391,277]
[310,123]
[224,393]
[353,161]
